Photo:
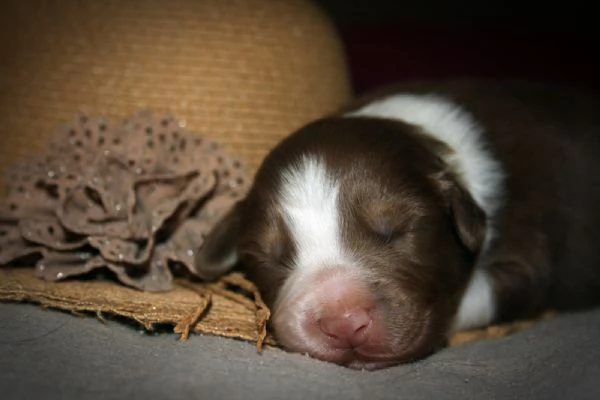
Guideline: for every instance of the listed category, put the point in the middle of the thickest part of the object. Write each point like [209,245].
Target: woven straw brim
[189,307]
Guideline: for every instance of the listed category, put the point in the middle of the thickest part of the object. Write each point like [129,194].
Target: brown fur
[419,232]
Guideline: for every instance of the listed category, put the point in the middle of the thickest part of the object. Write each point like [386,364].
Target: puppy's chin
[360,359]
[340,320]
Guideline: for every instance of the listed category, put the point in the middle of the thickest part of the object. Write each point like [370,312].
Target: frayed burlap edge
[190,307]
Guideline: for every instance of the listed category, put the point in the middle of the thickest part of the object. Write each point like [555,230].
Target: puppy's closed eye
[386,221]
[386,229]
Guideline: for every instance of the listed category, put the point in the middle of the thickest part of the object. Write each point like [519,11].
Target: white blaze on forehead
[309,202]
[308,196]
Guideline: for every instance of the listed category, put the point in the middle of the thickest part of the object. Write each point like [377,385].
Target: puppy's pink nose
[346,330]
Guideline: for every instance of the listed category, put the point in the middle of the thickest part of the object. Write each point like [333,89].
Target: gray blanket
[51,355]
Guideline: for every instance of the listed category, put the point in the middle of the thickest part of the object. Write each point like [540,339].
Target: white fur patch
[309,200]
[474,165]
[477,304]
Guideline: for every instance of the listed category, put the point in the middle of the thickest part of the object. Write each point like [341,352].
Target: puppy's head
[360,239]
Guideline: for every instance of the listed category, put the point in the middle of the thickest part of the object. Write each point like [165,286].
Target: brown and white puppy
[418,211]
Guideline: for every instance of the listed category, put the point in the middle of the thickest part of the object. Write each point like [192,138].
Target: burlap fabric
[242,72]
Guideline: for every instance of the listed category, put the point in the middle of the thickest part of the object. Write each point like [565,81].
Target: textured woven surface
[189,307]
[241,72]
[245,72]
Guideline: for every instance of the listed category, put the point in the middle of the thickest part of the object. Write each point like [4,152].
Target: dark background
[389,40]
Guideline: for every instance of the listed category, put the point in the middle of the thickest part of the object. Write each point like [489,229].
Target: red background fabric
[383,52]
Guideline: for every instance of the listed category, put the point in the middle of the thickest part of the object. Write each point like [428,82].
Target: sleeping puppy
[418,211]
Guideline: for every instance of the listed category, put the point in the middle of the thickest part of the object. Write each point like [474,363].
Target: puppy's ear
[468,218]
[219,252]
